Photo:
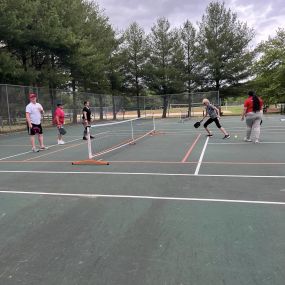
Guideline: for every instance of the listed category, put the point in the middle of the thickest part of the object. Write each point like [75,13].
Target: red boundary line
[190,149]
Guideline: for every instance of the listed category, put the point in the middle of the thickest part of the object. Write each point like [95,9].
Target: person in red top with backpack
[59,122]
[252,112]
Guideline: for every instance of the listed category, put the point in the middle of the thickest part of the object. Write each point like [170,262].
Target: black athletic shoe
[84,138]
[209,135]
[91,137]
[226,137]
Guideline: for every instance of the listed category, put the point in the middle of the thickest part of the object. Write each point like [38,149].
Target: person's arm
[41,109]
[28,119]
[84,116]
[206,113]
[56,119]
[243,113]
[217,111]
[261,104]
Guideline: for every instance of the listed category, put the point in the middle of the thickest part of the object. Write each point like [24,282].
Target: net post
[153,121]
[89,161]
[90,155]
[132,130]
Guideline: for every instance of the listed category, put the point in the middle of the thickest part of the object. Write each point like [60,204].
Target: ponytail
[256,102]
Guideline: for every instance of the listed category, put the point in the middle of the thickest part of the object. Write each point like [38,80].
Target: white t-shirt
[35,112]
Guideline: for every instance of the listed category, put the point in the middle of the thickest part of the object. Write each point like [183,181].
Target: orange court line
[190,149]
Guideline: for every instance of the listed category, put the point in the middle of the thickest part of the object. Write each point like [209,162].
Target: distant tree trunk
[165,105]
[74,97]
[138,97]
[189,103]
[52,97]
[114,106]
[101,107]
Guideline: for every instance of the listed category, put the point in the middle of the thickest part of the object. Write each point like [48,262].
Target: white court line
[144,197]
[201,157]
[22,153]
[249,143]
[11,156]
[141,173]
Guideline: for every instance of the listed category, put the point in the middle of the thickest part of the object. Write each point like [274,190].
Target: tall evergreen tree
[224,46]
[191,70]
[135,53]
[270,68]
[165,56]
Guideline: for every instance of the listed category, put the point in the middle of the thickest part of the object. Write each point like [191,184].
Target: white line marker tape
[144,197]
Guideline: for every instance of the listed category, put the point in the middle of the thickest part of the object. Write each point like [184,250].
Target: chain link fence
[14,98]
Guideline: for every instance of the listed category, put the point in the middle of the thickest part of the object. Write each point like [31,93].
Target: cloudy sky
[265,16]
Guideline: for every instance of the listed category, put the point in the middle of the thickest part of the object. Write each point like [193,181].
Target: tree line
[71,44]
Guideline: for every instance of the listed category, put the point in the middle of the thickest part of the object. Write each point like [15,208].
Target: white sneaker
[256,141]
[35,150]
[247,140]
[60,142]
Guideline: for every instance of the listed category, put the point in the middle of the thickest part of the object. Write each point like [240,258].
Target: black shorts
[36,129]
[210,120]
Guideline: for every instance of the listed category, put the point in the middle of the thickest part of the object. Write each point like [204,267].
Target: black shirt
[88,113]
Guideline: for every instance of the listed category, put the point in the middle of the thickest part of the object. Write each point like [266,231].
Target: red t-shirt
[60,114]
[248,104]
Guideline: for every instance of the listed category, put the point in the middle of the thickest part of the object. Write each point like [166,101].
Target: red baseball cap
[32,95]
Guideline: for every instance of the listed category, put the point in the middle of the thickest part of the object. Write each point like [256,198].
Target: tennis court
[175,208]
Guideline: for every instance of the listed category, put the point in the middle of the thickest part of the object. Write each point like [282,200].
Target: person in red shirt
[59,122]
[252,112]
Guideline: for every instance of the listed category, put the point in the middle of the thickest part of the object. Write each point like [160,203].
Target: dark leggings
[210,120]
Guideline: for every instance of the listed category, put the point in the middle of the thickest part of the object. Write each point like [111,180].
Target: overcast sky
[265,16]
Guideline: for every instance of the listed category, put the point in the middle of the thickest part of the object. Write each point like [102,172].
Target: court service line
[142,173]
[143,197]
[151,162]
[190,149]
[15,155]
[201,157]
[55,151]
[26,152]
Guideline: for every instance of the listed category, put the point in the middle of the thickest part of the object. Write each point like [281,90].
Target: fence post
[8,107]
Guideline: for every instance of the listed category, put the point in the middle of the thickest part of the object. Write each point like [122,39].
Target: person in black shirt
[86,118]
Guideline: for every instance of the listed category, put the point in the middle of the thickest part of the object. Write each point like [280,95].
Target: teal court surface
[175,208]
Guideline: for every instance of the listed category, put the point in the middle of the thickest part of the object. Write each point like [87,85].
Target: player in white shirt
[34,113]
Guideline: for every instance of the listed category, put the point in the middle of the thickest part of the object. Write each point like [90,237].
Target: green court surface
[176,208]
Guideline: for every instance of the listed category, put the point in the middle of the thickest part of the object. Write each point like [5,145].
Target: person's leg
[41,140]
[32,140]
[249,123]
[41,137]
[59,137]
[89,124]
[217,122]
[85,130]
[208,122]
[256,127]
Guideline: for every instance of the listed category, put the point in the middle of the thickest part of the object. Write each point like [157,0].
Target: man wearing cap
[59,121]
[34,113]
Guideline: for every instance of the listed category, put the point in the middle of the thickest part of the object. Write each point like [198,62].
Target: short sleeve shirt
[248,104]
[211,111]
[88,113]
[35,112]
[60,114]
